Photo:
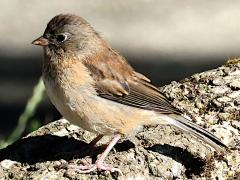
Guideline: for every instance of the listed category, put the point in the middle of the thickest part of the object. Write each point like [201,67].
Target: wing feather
[116,80]
[144,98]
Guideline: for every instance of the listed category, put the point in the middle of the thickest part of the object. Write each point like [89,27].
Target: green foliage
[34,125]
[32,104]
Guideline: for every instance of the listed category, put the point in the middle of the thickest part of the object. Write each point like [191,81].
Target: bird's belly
[95,114]
[72,104]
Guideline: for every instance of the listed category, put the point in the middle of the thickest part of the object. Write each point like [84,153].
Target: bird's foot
[99,165]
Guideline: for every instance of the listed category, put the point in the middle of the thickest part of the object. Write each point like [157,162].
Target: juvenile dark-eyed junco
[94,87]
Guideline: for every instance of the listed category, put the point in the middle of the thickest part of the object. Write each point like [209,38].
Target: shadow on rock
[124,146]
[49,148]
[43,148]
[194,165]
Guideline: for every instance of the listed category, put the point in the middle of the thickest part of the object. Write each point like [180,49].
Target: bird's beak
[41,41]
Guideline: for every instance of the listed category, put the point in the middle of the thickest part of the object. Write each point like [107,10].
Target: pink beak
[41,41]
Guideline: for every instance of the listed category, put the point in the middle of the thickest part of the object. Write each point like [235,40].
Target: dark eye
[61,37]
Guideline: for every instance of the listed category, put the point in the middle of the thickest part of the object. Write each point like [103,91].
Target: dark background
[165,40]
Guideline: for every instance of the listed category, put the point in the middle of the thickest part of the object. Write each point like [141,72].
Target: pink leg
[99,165]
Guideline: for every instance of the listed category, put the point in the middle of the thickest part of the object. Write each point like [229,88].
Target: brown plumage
[94,87]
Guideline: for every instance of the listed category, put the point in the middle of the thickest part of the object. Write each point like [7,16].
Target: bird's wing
[117,81]
[137,95]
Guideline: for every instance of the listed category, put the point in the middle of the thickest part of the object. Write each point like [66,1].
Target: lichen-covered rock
[219,110]
[212,100]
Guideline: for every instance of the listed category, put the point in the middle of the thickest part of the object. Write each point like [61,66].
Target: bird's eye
[61,37]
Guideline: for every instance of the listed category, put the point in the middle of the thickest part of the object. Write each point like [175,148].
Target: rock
[7,164]
[162,152]
[235,83]
[220,90]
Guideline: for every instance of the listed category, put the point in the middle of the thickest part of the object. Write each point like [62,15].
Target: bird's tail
[197,131]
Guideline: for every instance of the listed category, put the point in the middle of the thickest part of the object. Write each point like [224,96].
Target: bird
[94,87]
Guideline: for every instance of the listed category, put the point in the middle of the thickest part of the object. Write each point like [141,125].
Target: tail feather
[190,127]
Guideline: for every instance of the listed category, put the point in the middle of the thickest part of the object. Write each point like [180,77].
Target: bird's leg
[85,149]
[99,164]
[95,140]
[89,148]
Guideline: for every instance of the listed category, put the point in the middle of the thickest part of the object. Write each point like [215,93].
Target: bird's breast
[68,89]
